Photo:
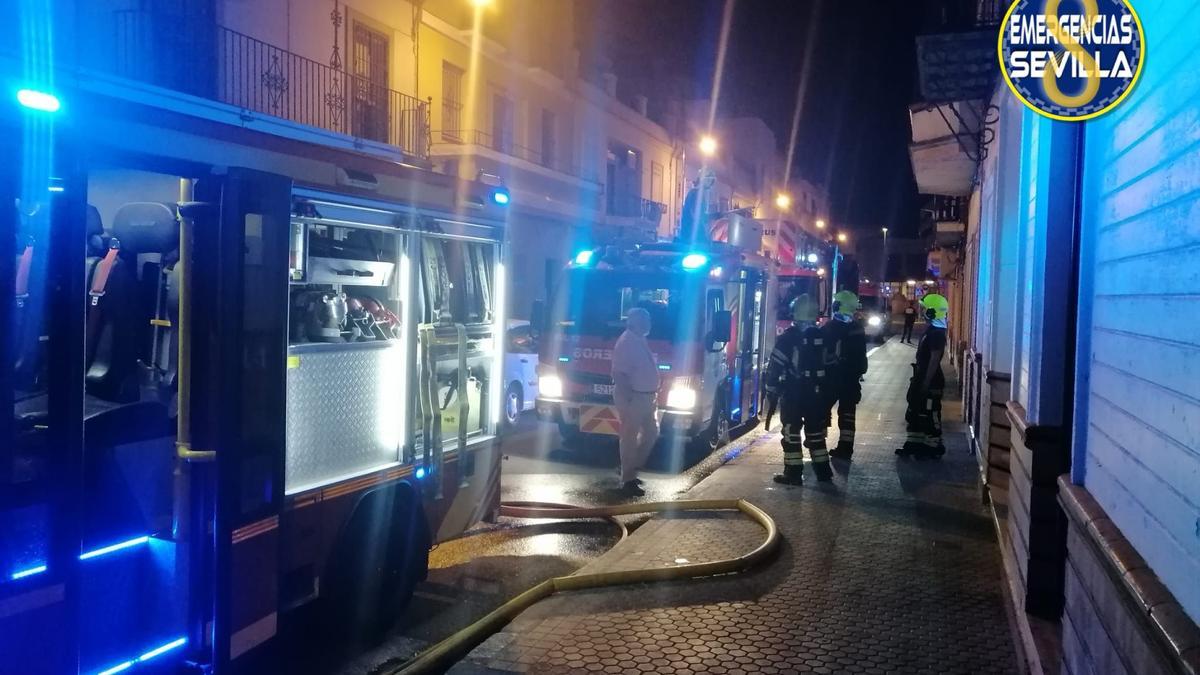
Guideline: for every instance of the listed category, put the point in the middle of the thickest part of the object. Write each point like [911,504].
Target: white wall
[1138,408]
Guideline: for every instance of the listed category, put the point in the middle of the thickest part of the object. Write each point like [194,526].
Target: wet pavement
[892,568]
[472,575]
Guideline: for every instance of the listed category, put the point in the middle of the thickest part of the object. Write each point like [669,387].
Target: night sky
[853,131]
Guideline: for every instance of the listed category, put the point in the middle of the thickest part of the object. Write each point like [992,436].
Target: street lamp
[783,201]
[708,144]
[841,237]
[820,224]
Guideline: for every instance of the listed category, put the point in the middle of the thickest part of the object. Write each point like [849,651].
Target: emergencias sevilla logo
[1071,59]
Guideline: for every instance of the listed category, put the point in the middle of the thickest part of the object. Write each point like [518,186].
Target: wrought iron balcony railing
[240,70]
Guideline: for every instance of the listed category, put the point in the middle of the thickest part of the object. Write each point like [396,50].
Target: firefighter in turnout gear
[796,377]
[847,352]
[924,415]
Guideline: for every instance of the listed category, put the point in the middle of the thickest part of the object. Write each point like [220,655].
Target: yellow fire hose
[458,645]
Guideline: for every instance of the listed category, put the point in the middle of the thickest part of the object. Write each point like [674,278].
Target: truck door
[749,347]
[42,201]
[238,375]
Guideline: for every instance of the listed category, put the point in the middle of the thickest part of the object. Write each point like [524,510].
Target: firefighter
[695,218]
[924,415]
[797,381]
[846,352]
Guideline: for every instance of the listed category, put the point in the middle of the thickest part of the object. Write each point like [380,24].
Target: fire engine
[706,303]
[242,374]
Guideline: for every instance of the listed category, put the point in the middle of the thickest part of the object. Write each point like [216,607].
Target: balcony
[215,62]
[469,141]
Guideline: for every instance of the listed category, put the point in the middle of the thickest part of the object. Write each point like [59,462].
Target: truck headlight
[681,398]
[550,386]
[874,320]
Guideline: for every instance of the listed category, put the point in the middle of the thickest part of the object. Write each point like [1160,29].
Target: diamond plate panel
[343,412]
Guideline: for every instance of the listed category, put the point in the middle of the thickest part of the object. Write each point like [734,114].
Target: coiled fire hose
[453,648]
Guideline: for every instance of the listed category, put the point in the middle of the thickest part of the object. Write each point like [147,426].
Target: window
[502,123]
[597,302]
[369,86]
[624,181]
[549,139]
[656,182]
[451,102]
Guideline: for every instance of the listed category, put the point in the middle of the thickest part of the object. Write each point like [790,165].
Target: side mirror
[722,323]
[537,316]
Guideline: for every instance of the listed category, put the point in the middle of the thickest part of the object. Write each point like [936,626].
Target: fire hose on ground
[453,648]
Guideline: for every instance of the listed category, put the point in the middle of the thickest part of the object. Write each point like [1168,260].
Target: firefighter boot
[792,475]
[844,450]
[823,471]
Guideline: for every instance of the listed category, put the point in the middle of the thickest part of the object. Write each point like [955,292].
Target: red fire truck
[794,281]
[707,305]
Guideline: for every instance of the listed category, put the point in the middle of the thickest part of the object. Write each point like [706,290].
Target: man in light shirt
[635,389]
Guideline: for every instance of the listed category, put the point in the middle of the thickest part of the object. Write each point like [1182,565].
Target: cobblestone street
[892,568]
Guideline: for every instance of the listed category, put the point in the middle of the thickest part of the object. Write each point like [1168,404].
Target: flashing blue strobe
[694,261]
[501,196]
[583,258]
[38,100]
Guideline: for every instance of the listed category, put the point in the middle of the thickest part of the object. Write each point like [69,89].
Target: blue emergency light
[501,196]
[583,258]
[38,100]
[694,261]
[21,574]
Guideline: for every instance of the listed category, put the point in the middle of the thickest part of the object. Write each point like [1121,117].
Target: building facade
[1076,285]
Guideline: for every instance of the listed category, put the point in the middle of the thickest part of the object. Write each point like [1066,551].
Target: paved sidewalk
[893,568]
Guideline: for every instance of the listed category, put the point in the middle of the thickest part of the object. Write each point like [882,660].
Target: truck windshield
[872,303]
[792,287]
[597,302]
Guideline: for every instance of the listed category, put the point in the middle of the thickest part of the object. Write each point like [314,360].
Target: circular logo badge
[1071,59]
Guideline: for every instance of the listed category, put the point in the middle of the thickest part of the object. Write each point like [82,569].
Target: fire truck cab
[706,304]
[794,281]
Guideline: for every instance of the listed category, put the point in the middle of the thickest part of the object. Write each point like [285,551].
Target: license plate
[605,389]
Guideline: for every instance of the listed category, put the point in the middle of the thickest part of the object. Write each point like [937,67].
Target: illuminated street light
[708,145]
[820,224]
[783,201]
[884,230]
[842,237]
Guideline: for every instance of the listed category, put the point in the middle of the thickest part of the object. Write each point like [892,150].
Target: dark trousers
[847,408]
[908,326]
[810,420]
[924,417]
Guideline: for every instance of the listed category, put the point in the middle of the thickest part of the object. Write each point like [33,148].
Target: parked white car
[520,371]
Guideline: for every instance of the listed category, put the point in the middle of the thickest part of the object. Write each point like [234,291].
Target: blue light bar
[693,261]
[163,649]
[501,197]
[114,547]
[420,473]
[564,359]
[583,258]
[21,574]
[38,100]
[664,366]
[157,651]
